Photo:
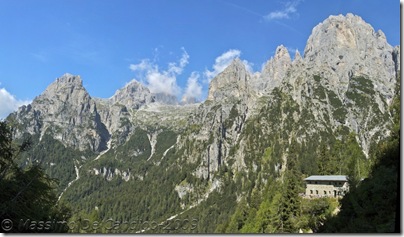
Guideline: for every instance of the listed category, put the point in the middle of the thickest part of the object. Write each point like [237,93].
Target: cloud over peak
[223,61]
[161,81]
[8,103]
[164,81]
[193,89]
[289,9]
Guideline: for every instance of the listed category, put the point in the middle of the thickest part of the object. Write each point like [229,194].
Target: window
[311,191]
[316,191]
[325,192]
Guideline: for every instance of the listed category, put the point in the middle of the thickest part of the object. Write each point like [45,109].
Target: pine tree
[372,205]
[324,161]
[290,200]
[239,217]
[26,194]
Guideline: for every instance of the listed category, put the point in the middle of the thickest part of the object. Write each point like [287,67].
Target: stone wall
[325,188]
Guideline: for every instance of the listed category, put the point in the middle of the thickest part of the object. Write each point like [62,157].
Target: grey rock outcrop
[116,111]
[349,59]
[66,110]
[397,58]
[346,56]
[133,95]
[343,47]
[231,84]
[276,68]
[298,58]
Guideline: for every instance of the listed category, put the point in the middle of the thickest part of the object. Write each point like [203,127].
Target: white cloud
[165,80]
[161,81]
[142,66]
[285,13]
[223,61]
[194,88]
[8,103]
[177,69]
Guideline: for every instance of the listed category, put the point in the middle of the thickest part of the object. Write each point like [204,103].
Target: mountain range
[143,155]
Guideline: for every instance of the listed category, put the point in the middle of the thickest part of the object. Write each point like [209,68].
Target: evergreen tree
[28,202]
[290,200]
[372,207]
[239,217]
[326,164]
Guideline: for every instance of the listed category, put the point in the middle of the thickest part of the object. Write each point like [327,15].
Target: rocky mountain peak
[340,32]
[68,113]
[343,47]
[231,83]
[133,95]
[68,78]
[282,54]
[298,58]
[275,69]
[236,64]
[133,87]
[64,88]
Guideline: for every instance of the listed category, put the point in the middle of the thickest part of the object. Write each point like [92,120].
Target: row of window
[325,192]
[334,183]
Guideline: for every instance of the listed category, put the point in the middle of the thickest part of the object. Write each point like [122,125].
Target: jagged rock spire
[275,69]
[298,58]
[231,83]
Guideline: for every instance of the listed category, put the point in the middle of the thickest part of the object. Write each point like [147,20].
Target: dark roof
[327,178]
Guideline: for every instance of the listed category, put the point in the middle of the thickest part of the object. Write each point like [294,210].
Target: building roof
[327,178]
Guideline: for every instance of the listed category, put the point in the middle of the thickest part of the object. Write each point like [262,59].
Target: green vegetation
[148,195]
[281,145]
[233,114]
[371,206]
[343,157]
[56,159]
[28,195]
[360,91]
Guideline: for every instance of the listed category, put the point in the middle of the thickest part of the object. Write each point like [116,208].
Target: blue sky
[175,46]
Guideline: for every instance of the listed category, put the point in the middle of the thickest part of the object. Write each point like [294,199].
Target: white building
[326,186]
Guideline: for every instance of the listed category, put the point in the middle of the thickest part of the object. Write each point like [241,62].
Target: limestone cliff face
[343,47]
[357,69]
[345,81]
[67,111]
[115,112]
[231,84]
[275,69]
